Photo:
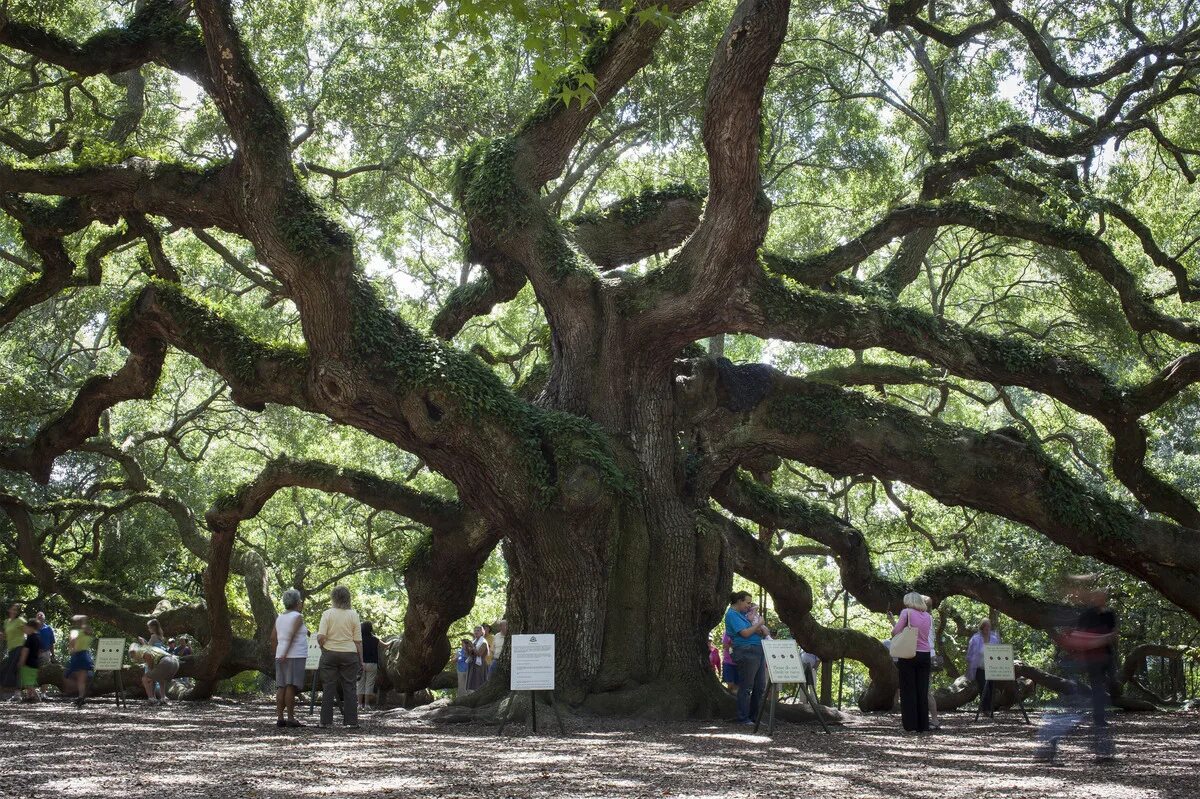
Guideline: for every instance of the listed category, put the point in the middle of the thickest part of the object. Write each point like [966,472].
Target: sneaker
[79,702]
[294,723]
[280,723]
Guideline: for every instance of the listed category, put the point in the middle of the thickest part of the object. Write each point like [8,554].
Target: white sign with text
[313,661]
[783,661]
[998,663]
[532,663]
[110,654]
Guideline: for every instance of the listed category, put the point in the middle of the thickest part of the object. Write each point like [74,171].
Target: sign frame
[543,663]
[108,651]
[785,666]
[783,662]
[533,662]
[998,663]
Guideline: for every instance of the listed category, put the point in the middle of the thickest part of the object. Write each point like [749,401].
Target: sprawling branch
[751,500]
[637,227]
[845,433]
[190,618]
[835,321]
[185,196]
[613,59]
[793,601]
[157,32]
[719,257]
[137,379]
[512,230]
[440,575]
[905,14]
[501,282]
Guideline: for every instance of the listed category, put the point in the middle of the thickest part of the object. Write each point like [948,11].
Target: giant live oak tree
[619,476]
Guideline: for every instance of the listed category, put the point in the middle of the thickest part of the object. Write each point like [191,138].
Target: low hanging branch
[793,601]
[440,574]
[751,500]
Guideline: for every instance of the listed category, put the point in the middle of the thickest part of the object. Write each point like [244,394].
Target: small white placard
[532,663]
[110,654]
[783,661]
[998,663]
[313,661]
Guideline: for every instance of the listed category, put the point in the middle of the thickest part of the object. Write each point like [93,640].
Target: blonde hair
[340,597]
[915,601]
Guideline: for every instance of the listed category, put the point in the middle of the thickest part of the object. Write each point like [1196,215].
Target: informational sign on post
[110,654]
[783,661]
[998,663]
[313,661]
[532,663]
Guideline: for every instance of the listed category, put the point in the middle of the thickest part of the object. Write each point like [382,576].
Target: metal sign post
[532,671]
[998,666]
[785,666]
[110,656]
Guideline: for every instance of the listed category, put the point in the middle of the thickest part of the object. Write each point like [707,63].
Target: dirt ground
[234,751]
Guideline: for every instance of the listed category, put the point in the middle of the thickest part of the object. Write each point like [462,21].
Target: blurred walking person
[1086,650]
[81,666]
[14,639]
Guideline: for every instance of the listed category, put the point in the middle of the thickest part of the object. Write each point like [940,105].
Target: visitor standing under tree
[462,664]
[975,670]
[747,639]
[477,667]
[48,638]
[340,637]
[370,671]
[289,639]
[914,671]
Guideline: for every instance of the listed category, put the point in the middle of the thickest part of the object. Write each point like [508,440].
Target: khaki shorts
[366,680]
[167,668]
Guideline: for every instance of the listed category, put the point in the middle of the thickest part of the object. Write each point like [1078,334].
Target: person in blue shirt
[465,650]
[46,635]
[747,638]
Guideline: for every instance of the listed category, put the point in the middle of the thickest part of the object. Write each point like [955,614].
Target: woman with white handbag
[910,648]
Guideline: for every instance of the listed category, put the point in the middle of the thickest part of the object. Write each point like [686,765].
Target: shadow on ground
[235,751]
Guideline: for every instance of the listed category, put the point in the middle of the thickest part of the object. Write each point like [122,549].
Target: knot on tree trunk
[332,383]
